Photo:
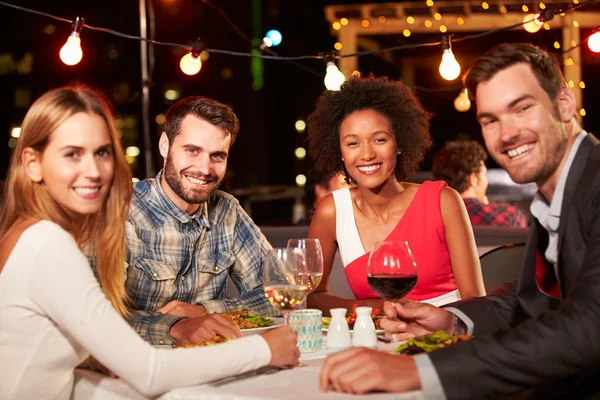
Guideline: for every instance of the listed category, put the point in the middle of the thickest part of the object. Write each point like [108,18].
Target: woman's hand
[95,365]
[283,344]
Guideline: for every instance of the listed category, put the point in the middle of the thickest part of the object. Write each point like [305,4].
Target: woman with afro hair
[376,133]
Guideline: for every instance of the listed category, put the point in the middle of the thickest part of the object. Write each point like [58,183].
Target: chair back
[502,264]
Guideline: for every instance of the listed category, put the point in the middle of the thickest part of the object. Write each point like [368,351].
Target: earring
[342,159]
[398,152]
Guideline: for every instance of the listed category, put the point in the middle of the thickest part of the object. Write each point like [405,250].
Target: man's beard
[187,194]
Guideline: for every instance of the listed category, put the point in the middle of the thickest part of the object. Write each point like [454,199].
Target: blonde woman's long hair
[104,232]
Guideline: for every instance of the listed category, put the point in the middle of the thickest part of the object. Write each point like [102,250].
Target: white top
[346,233]
[53,313]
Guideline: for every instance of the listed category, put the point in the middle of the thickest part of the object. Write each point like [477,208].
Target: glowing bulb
[333,78]
[594,42]
[532,23]
[190,64]
[71,52]
[275,37]
[462,102]
[300,180]
[300,126]
[449,67]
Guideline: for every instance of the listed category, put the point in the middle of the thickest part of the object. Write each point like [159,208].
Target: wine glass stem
[286,320]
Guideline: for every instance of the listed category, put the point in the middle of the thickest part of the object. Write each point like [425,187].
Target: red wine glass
[392,270]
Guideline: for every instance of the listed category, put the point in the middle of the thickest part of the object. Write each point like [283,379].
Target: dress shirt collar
[549,214]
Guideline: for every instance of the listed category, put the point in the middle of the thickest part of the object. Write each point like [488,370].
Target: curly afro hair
[456,161]
[392,99]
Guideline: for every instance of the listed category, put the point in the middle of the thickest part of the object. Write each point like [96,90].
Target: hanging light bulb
[532,23]
[190,63]
[449,67]
[333,78]
[71,52]
[594,42]
[462,102]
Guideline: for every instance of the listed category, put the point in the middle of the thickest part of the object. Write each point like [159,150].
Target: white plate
[254,331]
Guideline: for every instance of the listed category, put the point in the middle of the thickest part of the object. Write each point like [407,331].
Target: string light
[381,19]
[532,23]
[333,78]
[594,42]
[406,33]
[190,63]
[462,103]
[71,52]
[336,25]
[449,67]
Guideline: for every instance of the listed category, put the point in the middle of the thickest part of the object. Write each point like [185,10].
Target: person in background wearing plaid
[462,165]
[184,237]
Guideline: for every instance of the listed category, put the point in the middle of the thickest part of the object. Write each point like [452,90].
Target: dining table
[297,383]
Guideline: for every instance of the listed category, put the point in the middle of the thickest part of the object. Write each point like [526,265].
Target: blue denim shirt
[172,255]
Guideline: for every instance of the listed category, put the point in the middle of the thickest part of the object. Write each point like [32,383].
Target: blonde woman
[68,187]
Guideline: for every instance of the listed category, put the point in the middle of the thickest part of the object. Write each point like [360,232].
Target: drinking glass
[285,272]
[391,270]
[314,260]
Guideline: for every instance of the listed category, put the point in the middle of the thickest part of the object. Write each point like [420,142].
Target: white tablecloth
[294,384]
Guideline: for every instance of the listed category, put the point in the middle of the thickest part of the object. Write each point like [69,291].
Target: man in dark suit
[544,329]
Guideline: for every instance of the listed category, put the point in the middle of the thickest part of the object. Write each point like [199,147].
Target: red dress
[422,227]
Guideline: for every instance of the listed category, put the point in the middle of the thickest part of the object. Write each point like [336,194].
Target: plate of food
[351,319]
[210,342]
[429,343]
[250,323]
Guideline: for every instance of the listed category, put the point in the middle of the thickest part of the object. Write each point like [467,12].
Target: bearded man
[184,237]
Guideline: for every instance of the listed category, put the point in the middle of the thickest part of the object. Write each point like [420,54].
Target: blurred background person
[317,187]
[462,165]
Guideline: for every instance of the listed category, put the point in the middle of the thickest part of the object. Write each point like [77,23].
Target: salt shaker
[364,334]
[338,333]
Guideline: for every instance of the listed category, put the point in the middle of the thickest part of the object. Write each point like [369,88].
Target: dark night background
[264,151]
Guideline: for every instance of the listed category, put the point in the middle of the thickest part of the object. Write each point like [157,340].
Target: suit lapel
[581,158]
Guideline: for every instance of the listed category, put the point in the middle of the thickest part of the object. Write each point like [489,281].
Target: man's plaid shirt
[494,214]
[174,256]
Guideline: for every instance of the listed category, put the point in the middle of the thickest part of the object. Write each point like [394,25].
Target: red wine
[392,287]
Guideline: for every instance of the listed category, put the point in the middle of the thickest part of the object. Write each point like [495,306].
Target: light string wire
[286,58]
[292,59]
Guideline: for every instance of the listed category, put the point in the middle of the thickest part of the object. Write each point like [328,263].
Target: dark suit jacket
[523,337]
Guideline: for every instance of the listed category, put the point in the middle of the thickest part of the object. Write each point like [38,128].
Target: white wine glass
[313,254]
[285,274]
[392,270]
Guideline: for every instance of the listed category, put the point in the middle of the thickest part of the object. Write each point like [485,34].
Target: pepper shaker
[364,334]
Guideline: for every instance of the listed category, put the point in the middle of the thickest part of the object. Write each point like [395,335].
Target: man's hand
[198,330]
[360,370]
[411,319]
[176,307]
